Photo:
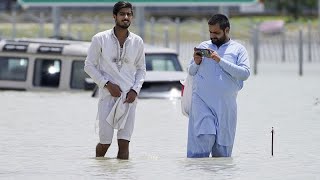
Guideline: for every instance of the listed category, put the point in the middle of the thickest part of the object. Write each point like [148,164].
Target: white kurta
[118,115]
[105,63]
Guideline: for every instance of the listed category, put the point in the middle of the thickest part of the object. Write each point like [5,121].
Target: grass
[189,31]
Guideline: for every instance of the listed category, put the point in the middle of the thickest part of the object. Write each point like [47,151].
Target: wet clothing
[106,130]
[215,89]
[124,66]
[119,113]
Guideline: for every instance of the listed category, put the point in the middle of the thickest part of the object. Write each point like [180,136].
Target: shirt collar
[225,44]
[129,34]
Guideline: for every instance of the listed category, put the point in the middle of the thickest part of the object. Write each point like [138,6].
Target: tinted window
[78,75]
[13,68]
[162,62]
[47,72]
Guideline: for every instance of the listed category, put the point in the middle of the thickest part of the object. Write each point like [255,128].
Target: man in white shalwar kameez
[116,63]
[217,78]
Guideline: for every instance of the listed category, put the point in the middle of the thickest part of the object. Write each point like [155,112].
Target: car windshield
[162,62]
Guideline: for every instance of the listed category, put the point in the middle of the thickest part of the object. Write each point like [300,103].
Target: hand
[131,96]
[215,56]
[114,89]
[197,58]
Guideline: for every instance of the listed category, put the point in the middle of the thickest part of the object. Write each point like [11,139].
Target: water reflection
[213,166]
[114,168]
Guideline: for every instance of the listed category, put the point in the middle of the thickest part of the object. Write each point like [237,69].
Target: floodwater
[50,135]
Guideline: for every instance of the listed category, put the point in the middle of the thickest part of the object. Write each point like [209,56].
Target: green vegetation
[190,31]
[293,8]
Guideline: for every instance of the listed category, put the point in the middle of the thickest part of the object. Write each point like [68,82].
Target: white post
[224,10]
[255,42]
[166,36]
[309,41]
[140,20]
[69,21]
[41,25]
[152,33]
[14,23]
[205,31]
[300,51]
[283,44]
[177,21]
[56,13]
[96,24]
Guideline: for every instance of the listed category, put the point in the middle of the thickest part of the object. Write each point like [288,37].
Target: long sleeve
[91,63]
[240,70]
[141,68]
[193,68]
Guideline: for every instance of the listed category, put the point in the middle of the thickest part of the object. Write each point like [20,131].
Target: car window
[47,72]
[162,62]
[13,68]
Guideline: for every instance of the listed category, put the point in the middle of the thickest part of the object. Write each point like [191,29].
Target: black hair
[121,4]
[220,19]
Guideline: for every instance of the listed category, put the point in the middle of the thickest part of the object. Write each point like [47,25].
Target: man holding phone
[219,67]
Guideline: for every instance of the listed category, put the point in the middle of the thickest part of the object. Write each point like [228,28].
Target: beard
[123,24]
[219,41]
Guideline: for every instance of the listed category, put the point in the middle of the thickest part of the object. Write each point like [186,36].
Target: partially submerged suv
[57,65]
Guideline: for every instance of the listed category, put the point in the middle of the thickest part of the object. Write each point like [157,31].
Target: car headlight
[174,92]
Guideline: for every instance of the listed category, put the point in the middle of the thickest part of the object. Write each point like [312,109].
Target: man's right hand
[197,57]
[114,89]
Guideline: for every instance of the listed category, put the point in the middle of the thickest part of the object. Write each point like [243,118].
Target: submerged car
[164,73]
[57,65]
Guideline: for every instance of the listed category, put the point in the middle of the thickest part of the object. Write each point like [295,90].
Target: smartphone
[203,52]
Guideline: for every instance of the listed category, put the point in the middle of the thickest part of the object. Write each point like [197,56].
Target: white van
[57,65]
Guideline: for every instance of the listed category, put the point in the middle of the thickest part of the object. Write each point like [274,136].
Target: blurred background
[272,31]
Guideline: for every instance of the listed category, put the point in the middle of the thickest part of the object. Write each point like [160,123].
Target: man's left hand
[131,96]
[215,56]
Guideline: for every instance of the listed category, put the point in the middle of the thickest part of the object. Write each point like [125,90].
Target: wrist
[134,91]
[199,62]
[106,84]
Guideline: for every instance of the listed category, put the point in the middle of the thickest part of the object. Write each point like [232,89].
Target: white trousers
[106,131]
